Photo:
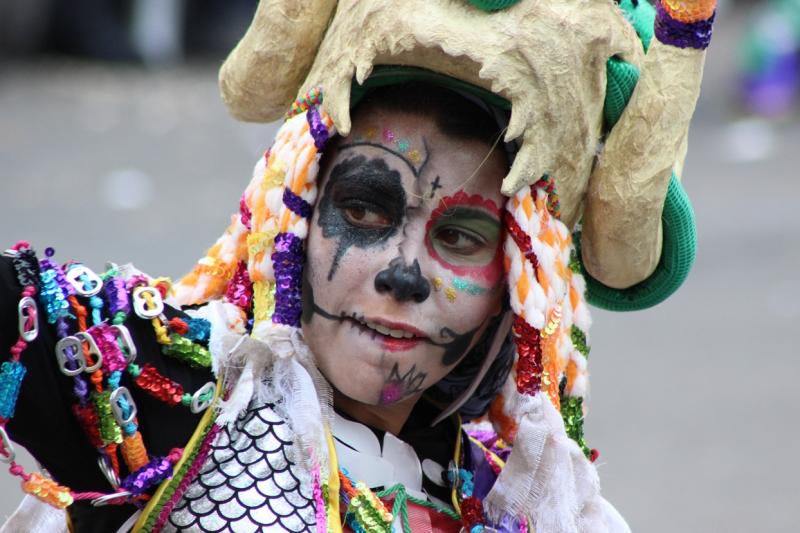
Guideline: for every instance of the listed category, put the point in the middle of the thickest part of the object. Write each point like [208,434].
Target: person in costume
[392,332]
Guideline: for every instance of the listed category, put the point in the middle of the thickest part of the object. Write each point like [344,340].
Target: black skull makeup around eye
[361,185]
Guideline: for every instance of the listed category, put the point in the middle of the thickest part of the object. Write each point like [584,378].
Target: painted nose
[403,281]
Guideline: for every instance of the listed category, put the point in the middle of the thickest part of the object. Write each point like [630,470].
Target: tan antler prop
[621,238]
[261,76]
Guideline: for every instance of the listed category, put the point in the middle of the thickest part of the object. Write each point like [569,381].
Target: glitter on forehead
[403,145]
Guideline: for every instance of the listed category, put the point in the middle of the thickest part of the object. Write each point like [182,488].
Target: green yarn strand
[401,499]
[678,252]
[492,5]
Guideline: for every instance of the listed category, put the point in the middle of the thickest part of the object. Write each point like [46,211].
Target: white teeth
[383,330]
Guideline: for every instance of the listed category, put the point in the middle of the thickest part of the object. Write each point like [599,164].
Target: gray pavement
[694,403]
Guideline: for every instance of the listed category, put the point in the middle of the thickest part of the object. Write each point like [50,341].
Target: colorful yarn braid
[270,228]
[547,298]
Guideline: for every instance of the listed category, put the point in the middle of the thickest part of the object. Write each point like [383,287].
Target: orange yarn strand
[134,452]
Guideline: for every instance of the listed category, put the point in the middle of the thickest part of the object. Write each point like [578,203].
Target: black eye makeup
[363,205]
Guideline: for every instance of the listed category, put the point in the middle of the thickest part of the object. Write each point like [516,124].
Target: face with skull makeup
[404,261]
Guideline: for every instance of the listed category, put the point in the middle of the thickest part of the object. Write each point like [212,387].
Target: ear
[262,75]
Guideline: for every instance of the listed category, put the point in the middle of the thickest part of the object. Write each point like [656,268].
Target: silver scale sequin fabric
[249,481]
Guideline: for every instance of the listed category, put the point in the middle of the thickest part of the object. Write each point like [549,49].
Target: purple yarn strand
[287,263]
[294,202]
[318,130]
[695,35]
[117,296]
[151,474]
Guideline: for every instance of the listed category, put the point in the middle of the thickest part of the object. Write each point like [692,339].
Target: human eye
[465,237]
[459,241]
[365,216]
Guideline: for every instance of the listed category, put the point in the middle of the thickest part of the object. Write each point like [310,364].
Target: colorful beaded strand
[11,377]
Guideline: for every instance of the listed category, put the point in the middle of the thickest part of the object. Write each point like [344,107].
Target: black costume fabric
[45,426]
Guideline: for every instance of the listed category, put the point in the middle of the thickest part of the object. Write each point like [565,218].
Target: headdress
[568,69]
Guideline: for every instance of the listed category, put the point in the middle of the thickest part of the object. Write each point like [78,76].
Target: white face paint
[404,261]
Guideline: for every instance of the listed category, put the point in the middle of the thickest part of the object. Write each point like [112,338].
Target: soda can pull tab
[125,342]
[140,305]
[27,312]
[75,277]
[200,404]
[93,349]
[119,415]
[65,347]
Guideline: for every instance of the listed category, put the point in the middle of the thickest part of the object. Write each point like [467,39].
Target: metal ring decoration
[108,498]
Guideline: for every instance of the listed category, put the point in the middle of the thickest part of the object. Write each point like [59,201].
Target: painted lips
[393,336]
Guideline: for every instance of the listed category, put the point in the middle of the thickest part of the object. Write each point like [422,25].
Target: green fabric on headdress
[677,257]
[621,80]
[492,5]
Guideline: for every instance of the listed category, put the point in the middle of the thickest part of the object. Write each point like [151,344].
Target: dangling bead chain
[12,372]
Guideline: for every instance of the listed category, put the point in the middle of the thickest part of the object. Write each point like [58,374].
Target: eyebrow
[398,154]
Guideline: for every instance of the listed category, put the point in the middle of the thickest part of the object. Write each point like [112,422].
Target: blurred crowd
[142,31]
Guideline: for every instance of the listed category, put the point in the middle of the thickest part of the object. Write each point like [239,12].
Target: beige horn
[261,76]
[621,238]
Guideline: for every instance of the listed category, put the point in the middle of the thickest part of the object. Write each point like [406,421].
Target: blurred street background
[114,145]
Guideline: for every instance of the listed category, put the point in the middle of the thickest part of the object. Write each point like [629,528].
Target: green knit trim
[492,5]
[621,79]
[386,75]
[642,15]
[678,252]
